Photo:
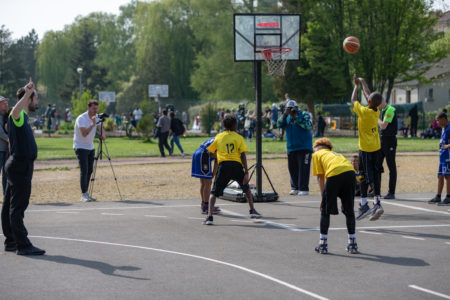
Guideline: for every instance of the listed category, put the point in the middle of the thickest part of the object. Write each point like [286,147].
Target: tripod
[98,155]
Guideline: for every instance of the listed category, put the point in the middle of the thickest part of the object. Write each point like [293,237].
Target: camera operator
[299,146]
[240,116]
[83,144]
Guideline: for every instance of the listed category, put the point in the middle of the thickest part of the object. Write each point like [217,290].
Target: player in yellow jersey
[370,156]
[230,149]
[336,178]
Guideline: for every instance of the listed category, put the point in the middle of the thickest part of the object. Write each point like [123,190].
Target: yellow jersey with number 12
[369,138]
[229,146]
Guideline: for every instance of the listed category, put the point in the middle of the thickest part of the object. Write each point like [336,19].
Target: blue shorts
[444,169]
[201,164]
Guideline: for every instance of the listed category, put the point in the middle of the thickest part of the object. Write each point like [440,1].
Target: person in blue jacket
[298,126]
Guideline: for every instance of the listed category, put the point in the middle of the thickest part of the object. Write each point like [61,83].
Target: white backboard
[161,90]
[107,97]
[255,32]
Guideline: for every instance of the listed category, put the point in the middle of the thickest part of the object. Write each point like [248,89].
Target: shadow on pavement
[392,260]
[54,204]
[102,267]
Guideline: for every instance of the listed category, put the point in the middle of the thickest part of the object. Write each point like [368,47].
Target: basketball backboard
[160,90]
[107,97]
[256,32]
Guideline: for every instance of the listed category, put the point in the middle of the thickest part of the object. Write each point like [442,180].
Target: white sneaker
[183,154]
[303,193]
[293,192]
[85,197]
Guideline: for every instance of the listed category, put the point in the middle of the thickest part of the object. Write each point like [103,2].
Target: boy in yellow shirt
[336,178]
[230,149]
[370,156]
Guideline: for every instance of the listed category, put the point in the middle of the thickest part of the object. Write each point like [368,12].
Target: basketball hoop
[275,60]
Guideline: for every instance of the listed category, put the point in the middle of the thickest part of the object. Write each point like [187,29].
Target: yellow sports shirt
[229,146]
[369,138]
[330,163]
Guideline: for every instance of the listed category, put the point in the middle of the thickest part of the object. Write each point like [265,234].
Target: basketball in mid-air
[351,44]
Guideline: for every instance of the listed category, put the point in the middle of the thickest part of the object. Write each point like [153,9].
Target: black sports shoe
[254,214]
[322,248]
[444,202]
[377,211]
[435,200]
[363,211]
[352,246]
[208,221]
[204,208]
[10,248]
[389,196]
[30,250]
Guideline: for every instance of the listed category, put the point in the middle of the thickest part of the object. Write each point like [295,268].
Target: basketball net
[275,61]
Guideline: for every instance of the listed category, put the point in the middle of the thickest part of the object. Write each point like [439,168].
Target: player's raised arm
[355,89]
[24,102]
[366,89]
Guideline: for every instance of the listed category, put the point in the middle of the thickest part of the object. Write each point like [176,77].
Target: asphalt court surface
[160,250]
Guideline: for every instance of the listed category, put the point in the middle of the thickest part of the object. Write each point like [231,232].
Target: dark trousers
[413,128]
[162,142]
[299,165]
[389,148]
[86,163]
[16,200]
[3,156]
[370,166]
[342,186]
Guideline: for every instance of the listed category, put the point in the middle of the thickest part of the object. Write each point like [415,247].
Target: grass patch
[120,147]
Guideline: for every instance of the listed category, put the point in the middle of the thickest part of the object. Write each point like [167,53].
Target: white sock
[323,236]
[363,201]
[376,200]
[352,236]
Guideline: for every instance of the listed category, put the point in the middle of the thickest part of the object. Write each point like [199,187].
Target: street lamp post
[80,70]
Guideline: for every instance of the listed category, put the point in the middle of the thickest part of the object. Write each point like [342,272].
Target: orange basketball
[351,44]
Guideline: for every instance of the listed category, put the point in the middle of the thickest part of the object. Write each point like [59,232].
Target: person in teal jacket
[298,126]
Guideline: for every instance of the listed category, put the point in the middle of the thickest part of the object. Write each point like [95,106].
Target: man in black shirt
[389,127]
[19,171]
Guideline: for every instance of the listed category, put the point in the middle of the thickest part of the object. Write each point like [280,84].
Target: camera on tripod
[102,116]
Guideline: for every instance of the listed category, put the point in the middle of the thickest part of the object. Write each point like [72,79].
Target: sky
[45,15]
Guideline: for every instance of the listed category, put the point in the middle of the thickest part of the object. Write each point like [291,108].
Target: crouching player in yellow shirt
[336,178]
[230,148]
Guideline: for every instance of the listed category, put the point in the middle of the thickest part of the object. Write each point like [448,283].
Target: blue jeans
[2,169]
[176,139]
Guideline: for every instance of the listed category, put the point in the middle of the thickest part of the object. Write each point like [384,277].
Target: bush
[208,116]
[108,124]
[67,126]
[146,126]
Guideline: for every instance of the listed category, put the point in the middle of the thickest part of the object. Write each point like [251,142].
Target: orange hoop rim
[278,51]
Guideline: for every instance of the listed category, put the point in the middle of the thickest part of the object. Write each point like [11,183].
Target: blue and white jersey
[444,154]
[201,161]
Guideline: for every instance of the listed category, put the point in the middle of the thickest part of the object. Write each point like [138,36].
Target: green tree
[80,107]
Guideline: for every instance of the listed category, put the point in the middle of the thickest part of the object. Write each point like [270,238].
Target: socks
[323,236]
[363,201]
[376,200]
[352,236]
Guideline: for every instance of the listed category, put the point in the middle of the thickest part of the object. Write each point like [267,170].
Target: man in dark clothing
[19,170]
[321,124]
[389,127]
[164,127]
[414,119]
[177,129]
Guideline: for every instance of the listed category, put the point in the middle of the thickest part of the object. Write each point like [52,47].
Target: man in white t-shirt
[137,113]
[83,144]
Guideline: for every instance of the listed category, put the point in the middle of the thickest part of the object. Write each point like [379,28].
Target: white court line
[110,214]
[153,216]
[68,212]
[268,277]
[447,243]
[429,291]
[127,207]
[370,232]
[242,220]
[412,238]
[417,208]
[261,221]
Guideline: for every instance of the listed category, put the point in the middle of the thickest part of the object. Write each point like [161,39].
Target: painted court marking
[68,212]
[370,232]
[429,291]
[111,214]
[262,275]
[153,216]
[417,208]
[412,238]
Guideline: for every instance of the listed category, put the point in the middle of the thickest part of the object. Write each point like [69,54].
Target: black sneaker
[254,214]
[377,211]
[363,211]
[208,221]
[444,202]
[322,248]
[435,200]
[389,196]
[30,250]
[204,208]
[10,248]
[352,246]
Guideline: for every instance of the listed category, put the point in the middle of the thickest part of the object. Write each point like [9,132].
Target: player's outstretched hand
[29,87]
[356,80]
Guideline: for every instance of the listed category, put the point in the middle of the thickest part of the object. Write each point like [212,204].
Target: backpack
[178,128]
